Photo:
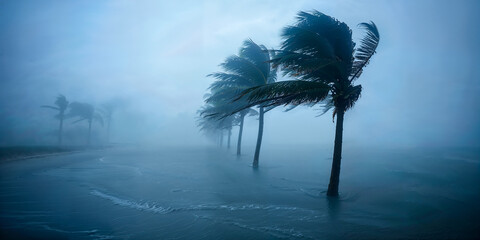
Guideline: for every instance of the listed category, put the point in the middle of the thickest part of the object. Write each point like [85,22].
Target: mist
[421,90]
[150,60]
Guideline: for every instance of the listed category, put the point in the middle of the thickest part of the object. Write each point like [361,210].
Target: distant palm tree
[85,112]
[251,68]
[211,127]
[107,111]
[220,106]
[61,104]
[319,51]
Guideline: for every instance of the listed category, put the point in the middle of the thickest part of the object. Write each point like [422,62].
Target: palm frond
[51,107]
[292,92]
[61,102]
[83,110]
[226,80]
[368,47]
[351,96]
[243,67]
[257,54]
[316,48]
[79,120]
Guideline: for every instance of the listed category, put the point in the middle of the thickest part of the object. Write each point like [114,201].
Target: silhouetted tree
[85,112]
[218,125]
[61,104]
[107,111]
[240,119]
[251,68]
[318,50]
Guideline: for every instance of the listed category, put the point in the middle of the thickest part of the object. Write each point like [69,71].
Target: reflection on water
[206,193]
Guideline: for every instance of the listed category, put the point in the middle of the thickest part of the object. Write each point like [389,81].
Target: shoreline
[14,153]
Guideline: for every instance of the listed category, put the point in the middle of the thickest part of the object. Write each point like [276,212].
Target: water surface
[209,193]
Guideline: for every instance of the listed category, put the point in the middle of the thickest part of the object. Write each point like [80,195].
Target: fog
[136,91]
[421,88]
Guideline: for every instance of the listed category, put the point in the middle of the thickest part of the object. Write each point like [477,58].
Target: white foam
[154,208]
[132,204]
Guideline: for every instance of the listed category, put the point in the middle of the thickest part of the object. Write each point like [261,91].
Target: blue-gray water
[209,193]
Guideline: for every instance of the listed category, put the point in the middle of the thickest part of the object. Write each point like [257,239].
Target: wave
[155,208]
[94,234]
[132,204]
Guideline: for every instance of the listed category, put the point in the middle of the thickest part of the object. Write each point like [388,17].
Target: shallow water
[209,193]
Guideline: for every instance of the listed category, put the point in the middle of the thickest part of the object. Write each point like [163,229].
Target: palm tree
[212,127]
[107,111]
[240,119]
[217,124]
[85,112]
[61,104]
[318,50]
[220,106]
[251,68]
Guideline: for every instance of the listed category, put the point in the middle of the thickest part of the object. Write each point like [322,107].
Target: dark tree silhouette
[318,50]
[61,105]
[251,68]
[85,112]
[240,120]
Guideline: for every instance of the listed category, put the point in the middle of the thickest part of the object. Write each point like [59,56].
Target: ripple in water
[155,208]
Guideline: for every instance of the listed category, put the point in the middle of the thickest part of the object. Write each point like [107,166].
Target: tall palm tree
[85,112]
[318,50]
[240,120]
[251,68]
[61,105]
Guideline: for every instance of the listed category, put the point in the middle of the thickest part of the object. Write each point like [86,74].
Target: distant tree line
[81,112]
[318,54]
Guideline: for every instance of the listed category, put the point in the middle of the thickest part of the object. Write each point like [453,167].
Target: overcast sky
[420,89]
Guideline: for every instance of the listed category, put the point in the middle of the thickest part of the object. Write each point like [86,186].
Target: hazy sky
[421,88]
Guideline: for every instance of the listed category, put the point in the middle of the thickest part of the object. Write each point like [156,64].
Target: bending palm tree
[319,51]
[61,105]
[240,119]
[85,112]
[213,126]
[251,68]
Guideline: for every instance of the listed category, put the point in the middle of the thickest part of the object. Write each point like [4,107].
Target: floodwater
[209,193]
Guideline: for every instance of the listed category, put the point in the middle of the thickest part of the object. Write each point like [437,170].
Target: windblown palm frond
[243,67]
[251,68]
[224,96]
[292,92]
[51,107]
[368,47]
[62,103]
[256,54]
[226,80]
[84,111]
[316,48]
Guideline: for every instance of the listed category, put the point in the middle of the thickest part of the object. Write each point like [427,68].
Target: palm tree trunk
[89,131]
[60,130]
[108,130]
[229,136]
[259,138]
[240,132]
[337,156]
[221,138]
